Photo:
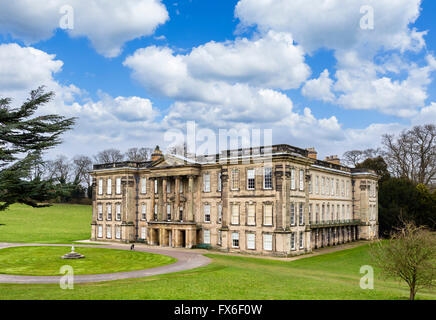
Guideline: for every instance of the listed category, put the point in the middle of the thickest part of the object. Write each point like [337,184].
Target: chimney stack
[333,159]
[312,153]
[157,154]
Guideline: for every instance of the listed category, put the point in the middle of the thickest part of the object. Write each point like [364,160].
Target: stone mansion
[236,201]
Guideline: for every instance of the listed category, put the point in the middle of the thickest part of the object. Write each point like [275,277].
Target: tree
[379,165]
[23,138]
[82,165]
[109,156]
[138,154]
[60,169]
[412,154]
[410,255]
[353,157]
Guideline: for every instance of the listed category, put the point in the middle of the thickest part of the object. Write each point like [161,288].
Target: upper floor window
[155,212]
[118,211]
[168,212]
[155,185]
[317,184]
[220,212]
[301,214]
[310,213]
[323,186]
[310,184]
[206,182]
[327,189]
[301,185]
[100,212]
[168,186]
[268,215]
[292,214]
[342,187]
[235,179]
[144,185]
[250,179]
[337,187]
[292,178]
[109,211]
[251,215]
[332,187]
[181,186]
[118,186]
[207,213]
[143,211]
[100,186]
[219,182]
[267,178]
[109,186]
[235,214]
[317,213]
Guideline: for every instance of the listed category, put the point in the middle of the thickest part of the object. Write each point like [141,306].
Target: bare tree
[409,255]
[59,169]
[109,156]
[412,154]
[138,154]
[353,157]
[82,165]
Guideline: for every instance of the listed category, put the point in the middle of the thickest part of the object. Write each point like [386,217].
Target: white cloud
[107,24]
[320,89]
[426,115]
[335,24]
[120,121]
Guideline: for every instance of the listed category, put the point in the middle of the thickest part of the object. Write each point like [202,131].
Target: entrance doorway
[182,239]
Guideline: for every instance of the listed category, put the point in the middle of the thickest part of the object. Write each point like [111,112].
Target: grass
[46,261]
[330,276]
[60,223]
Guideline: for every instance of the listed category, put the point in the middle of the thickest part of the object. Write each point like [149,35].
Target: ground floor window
[293,240]
[301,240]
[168,212]
[143,232]
[220,237]
[235,240]
[144,212]
[251,241]
[100,231]
[267,242]
[108,232]
[206,236]
[117,232]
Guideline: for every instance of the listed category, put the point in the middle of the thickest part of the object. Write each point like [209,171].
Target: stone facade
[281,202]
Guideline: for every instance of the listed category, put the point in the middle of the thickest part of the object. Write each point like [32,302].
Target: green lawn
[329,276]
[46,261]
[60,223]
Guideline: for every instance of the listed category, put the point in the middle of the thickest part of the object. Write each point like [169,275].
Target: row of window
[109,211]
[117,231]
[251,240]
[330,186]
[329,212]
[109,186]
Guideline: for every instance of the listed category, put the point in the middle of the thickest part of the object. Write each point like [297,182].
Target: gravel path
[185,261]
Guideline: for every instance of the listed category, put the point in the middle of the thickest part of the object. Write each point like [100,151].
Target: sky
[328,74]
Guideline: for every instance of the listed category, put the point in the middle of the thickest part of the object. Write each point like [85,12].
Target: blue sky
[304,69]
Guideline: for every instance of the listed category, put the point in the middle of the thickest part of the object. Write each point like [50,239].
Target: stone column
[153,199]
[177,198]
[160,209]
[191,199]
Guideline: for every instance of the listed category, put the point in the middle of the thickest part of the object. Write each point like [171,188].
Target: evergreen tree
[23,138]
